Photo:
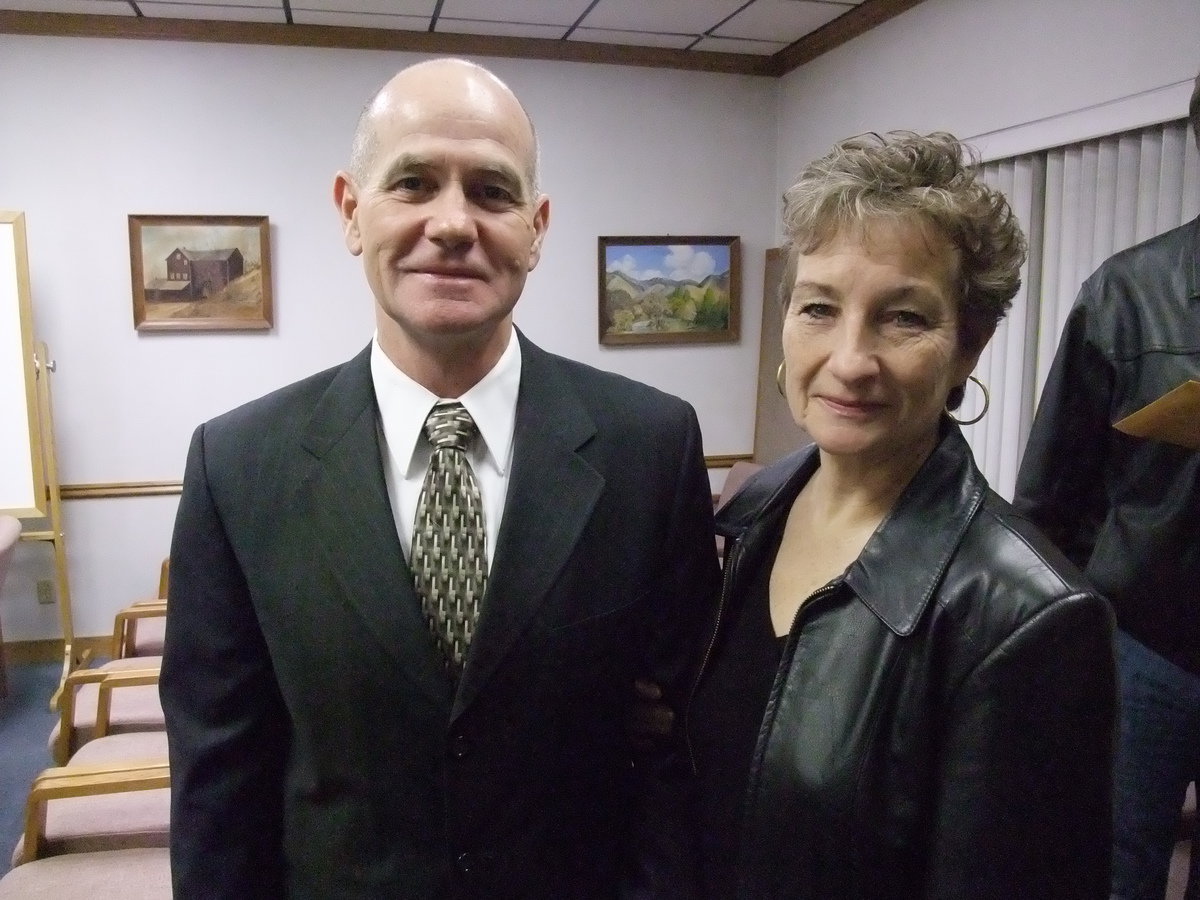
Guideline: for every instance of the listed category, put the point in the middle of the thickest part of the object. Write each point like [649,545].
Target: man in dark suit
[334,730]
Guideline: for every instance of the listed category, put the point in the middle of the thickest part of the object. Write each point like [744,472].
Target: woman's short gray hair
[933,179]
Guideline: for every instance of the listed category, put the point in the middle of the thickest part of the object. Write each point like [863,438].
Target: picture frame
[200,273]
[669,289]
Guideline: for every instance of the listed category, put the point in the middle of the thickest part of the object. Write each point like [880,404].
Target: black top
[726,717]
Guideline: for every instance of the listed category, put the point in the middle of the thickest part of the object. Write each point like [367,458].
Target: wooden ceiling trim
[845,27]
[329,36]
[849,25]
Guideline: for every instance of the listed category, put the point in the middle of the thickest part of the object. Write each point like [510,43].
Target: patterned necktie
[449,551]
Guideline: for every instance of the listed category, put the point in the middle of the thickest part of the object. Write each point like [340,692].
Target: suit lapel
[344,501]
[551,493]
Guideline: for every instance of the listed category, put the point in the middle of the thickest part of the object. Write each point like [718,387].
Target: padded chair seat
[134,746]
[132,819]
[148,636]
[142,874]
[135,708]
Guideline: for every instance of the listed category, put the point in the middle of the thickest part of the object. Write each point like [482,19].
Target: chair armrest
[107,680]
[84,781]
[127,678]
[125,624]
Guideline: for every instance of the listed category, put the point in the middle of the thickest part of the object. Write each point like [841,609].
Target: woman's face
[870,337]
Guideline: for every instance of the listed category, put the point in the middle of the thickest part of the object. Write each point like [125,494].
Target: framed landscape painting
[200,273]
[670,289]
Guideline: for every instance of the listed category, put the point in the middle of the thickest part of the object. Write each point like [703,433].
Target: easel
[43,366]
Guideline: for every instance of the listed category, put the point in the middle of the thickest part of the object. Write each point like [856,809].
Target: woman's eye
[906,318]
[816,310]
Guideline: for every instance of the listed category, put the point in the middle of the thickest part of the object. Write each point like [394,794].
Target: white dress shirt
[403,406]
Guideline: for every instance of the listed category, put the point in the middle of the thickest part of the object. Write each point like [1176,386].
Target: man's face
[443,213]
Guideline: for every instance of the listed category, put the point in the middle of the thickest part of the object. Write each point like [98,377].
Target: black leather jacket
[1126,510]
[942,721]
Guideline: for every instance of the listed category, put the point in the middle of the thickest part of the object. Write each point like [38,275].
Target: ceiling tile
[544,12]
[359,20]
[93,7]
[502,29]
[382,7]
[732,45]
[781,20]
[211,11]
[635,38]
[692,17]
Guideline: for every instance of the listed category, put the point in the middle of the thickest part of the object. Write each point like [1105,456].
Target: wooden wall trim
[101,491]
[724,462]
[849,25]
[18,653]
[120,489]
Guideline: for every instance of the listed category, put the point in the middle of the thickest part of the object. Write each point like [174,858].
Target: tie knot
[449,425]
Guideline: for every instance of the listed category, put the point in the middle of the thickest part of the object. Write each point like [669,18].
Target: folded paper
[1174,417]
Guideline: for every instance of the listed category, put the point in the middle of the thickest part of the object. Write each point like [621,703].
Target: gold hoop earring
[987,401]
[780,375]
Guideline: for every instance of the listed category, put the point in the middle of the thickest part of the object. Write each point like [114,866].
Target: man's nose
[450,221]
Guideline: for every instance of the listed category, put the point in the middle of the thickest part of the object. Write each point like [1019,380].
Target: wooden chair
[87,807]
[120,697]
[139,629]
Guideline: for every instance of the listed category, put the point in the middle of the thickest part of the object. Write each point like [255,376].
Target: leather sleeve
[1025,784]
[226,724]
[1060,485]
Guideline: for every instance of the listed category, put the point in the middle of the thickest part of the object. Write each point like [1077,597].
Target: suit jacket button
[464,862]
[460,746]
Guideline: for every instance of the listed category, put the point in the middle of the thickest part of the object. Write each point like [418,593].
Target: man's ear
[345,197]
[541,222]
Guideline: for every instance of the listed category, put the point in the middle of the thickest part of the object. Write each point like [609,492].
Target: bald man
[342,726]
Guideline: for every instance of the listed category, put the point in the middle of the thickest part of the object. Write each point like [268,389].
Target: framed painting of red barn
[200,273]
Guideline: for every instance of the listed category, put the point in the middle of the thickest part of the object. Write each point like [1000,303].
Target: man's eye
[409,183]
[495,193]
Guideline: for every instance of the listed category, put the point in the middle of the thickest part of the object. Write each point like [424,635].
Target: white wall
[1011,76]
[92,130]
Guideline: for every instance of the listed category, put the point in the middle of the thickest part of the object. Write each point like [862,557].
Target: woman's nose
[854,353]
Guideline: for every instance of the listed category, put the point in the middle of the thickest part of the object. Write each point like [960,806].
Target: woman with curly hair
[908,692]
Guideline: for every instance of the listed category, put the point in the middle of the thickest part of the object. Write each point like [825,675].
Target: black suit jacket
[317,747]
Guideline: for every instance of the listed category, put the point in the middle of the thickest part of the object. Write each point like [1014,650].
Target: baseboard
[20,652]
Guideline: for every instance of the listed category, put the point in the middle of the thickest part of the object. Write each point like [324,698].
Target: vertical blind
[1079,205]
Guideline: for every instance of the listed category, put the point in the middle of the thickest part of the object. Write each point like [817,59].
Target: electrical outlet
[45,592]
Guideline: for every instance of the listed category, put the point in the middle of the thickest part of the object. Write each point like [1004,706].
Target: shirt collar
[492,403]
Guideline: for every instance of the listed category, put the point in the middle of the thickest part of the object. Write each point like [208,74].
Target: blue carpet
[25,724]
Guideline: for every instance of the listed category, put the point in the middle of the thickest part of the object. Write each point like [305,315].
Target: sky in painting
[678,262]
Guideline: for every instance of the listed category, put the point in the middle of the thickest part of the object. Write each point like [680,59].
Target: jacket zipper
[765,729]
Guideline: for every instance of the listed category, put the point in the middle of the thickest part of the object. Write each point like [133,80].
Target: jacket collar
[905,559]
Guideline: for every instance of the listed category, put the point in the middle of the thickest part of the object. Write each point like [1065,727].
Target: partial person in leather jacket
[1127,511]
[908,692]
